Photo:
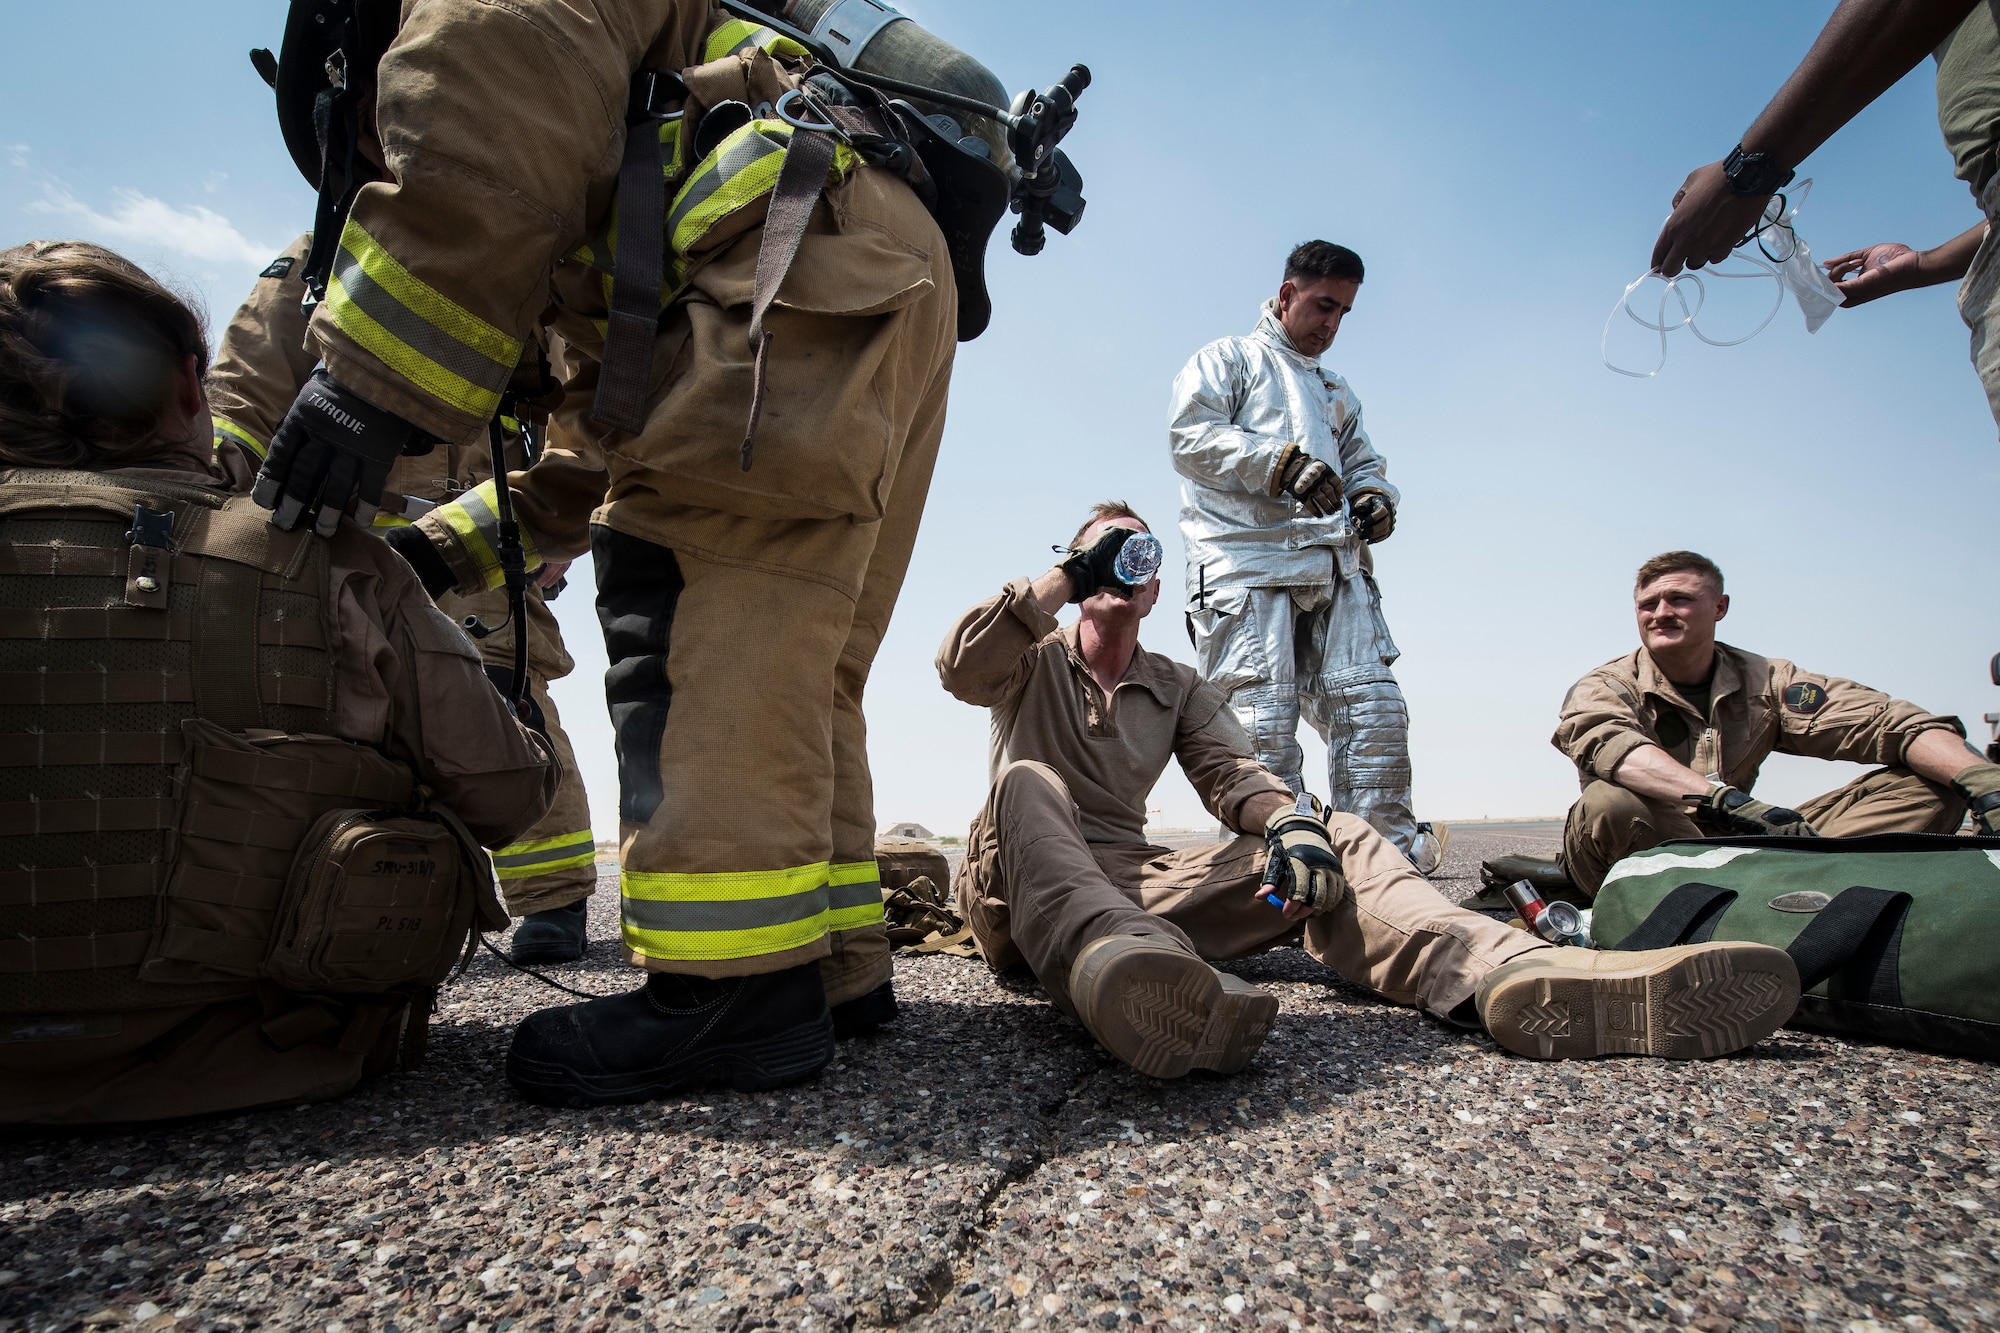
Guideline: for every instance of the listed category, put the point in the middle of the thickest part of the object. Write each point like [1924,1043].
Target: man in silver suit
[1281,497]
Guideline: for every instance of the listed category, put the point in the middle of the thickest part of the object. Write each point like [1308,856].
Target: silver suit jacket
[1237,403]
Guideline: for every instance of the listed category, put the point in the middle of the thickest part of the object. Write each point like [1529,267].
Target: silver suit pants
[1324,653]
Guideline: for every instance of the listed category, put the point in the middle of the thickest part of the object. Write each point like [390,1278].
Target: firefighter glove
[334,448]
[1300,864]
[1980,786]
[1120,561]
[1374,518]
[1736,811]
[1307,480]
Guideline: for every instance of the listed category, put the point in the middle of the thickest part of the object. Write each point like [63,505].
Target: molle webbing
[93,691]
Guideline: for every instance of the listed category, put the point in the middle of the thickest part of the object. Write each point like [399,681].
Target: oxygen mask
[1773,252]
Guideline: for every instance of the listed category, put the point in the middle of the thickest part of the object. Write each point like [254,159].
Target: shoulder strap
[634,318]
[800,183]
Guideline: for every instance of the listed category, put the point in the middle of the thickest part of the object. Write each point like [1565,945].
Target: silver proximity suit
[1282,605]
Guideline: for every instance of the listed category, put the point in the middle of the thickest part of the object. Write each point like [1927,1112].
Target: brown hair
[1679,562]
[1104,509]
[91,348]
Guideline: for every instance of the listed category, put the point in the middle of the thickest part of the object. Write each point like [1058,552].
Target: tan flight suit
[263,361]
[742,609]
[117,659]
[1058,857]
[1757,705]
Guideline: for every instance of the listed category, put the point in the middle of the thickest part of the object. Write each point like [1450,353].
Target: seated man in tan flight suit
[1058,872]
[1667,741]
[194,698]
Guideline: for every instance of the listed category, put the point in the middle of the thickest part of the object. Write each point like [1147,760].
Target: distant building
[915,831]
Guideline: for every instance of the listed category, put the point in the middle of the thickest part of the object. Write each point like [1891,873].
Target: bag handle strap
[1842,929]
[1688,915]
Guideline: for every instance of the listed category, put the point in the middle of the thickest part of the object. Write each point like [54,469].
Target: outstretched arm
[1864,48]
[1863,275]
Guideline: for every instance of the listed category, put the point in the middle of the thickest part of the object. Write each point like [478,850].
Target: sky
[1502,170]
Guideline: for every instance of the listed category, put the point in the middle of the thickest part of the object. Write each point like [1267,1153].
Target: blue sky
[1502,169]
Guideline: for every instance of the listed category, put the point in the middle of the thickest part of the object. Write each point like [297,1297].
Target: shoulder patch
[279,267]
[1803,697]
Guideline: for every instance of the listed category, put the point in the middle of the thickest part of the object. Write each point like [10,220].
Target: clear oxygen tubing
[1774,240]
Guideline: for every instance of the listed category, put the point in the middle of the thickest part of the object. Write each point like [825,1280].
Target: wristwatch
[1753,175]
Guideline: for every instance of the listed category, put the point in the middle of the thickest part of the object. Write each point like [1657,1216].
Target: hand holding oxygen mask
[1771,250]
[1119,562]
[1300,865]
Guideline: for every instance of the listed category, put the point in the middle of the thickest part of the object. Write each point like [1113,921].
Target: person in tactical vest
[1059,874]
[244,773]
[1667,741]
[548,874]
[759,284]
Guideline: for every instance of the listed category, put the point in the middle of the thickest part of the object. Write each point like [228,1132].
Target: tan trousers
[1033,890]
[554,863]
[743,610]
[1608,823]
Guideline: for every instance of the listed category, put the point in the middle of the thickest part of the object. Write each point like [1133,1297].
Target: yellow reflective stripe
[854,895]
[541,856]
[418,332]
[736,173]
[739,914]
[737,34]
[476,523]
[385,519]
[225,429]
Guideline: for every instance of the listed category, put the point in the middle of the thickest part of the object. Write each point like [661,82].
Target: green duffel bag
[1896,936]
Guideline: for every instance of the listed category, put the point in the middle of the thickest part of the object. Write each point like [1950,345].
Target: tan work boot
[1164,1011]
[1691,1002]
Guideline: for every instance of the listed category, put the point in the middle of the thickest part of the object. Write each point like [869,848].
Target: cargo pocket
[246,804]
[1227,657]
[374,901]
[849,363]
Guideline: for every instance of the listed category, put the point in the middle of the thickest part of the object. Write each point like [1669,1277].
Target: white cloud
[199,233]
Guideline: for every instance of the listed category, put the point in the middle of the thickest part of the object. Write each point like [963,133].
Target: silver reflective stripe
[725,914]
[422,336]
[862,894]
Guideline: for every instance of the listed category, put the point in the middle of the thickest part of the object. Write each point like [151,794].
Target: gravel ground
[982,1165]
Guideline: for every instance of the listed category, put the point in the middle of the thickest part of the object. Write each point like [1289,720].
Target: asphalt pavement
[982,1165]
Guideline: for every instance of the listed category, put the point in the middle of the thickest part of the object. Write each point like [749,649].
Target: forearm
[1865,47]
[1949,262]
[1257,810]
[1940,755]
[1651,772]
[1051,590]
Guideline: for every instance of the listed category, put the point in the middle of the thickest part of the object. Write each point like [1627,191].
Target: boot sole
[758,1066]
[1708,1001]
[1164,1012]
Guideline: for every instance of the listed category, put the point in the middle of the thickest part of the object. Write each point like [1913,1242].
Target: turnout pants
[1034,891]
[1608,822]
[554,863]
[1323,653]
[742,609]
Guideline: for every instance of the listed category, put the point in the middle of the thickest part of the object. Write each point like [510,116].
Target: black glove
[333,447]
[1734,811]
[1093,570]
[410,542]
[1374,518]
[1307,480]
[1979,784]
[1300,864]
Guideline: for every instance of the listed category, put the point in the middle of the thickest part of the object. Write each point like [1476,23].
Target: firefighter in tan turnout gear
[758,280]
[1667,741]
[238,766]
[546,877]
[1059,875]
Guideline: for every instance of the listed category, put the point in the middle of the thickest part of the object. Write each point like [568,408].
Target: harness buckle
[651,93]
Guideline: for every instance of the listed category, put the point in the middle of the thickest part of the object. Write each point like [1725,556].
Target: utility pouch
[374,900]
[246,803]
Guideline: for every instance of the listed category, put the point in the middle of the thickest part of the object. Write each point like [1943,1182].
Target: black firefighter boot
[860,1016]
[676,1032]
[552,936]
